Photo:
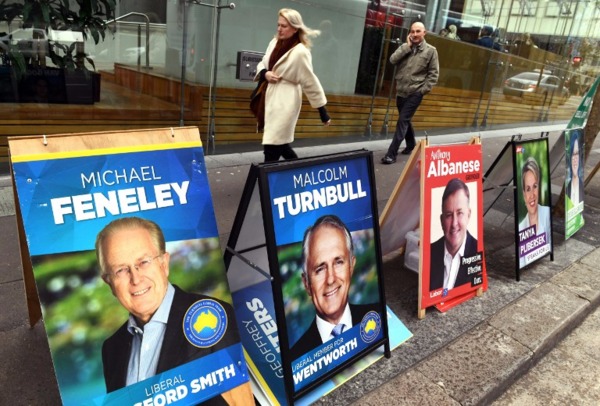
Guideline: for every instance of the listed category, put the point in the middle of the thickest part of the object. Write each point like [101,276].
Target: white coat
[283,100]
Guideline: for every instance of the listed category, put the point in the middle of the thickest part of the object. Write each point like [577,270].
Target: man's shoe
[407,151]
[386,160]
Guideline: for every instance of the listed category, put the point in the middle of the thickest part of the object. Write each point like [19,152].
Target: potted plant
[51,23]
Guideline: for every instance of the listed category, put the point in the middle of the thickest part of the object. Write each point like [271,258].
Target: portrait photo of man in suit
[328,264]
[446,269]
[134,263]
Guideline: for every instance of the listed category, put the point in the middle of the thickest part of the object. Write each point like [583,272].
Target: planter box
[8,85]
[79,87]
[49,85]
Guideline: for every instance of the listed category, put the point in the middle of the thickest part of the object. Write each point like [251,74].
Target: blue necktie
[337,330]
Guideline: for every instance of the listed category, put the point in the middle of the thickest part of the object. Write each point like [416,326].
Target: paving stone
[537,316]
[472,367]
[411,388]
[26,375]
[580,279]
[577,358]
[7,206]
[10,260]
[592,260]
[14,306]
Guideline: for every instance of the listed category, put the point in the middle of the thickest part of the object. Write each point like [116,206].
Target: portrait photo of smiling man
[134,263]
[447,269]
[328,263]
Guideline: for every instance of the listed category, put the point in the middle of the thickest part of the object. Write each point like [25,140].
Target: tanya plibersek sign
[532,197]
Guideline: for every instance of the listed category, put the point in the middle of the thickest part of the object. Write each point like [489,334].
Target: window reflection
[483,47]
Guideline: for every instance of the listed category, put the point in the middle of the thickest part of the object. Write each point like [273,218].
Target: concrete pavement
[482,363]
[469,355]
[569,374]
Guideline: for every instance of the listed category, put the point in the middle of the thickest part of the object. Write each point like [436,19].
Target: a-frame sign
[525,166]
[120,242]
[304,257]
[440,192]
[532,200]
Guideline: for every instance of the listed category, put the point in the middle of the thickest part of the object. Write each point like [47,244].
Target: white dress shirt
[147,341]
[452,264]
[326,327]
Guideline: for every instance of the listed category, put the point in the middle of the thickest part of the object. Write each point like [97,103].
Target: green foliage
[70,58]
[57,14]
[16,59]
[88,18]
[80,311]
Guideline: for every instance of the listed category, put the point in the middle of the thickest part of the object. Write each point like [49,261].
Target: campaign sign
[149,323]
[452,250]
[323,215]
[533,214]
[574,187]
[580,117]
[255,312]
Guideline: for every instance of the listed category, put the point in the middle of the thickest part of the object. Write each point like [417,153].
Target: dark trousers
[407,106]
[273,152]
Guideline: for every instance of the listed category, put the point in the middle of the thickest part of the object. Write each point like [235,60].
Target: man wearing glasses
[328,263]
[134,263]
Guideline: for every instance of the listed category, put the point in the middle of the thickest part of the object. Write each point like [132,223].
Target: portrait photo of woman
[575,169]
[574,181]
[537,215]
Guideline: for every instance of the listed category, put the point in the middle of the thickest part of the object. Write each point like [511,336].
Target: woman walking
[286,70]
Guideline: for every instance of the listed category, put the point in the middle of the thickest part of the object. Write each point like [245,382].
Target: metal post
[541,115]
[213,101]
[370,121]
[475,123]
[213,83]
[139,46]
[386,120]
[183,63]
[487,108]
[124,16]
[148,44]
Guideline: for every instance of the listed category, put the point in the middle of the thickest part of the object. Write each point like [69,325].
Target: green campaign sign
[582,113]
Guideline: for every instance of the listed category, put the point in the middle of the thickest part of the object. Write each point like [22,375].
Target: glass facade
[145,64]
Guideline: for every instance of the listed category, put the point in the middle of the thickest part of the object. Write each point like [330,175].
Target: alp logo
[205,323]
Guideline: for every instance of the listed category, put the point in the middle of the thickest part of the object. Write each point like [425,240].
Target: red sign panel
[452,252]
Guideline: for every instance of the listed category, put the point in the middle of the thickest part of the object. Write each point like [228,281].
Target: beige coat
[284,99]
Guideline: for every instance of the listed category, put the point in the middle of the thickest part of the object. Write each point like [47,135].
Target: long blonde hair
[295,19]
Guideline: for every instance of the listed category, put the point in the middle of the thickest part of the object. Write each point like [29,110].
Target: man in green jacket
[417,71]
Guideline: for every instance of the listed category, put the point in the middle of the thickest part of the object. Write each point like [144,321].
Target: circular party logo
[370,327]
[205,323]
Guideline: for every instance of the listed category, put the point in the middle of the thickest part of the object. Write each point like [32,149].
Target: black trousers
[407,106]
[274,152]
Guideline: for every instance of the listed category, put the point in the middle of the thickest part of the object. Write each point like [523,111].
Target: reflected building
[186,72]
